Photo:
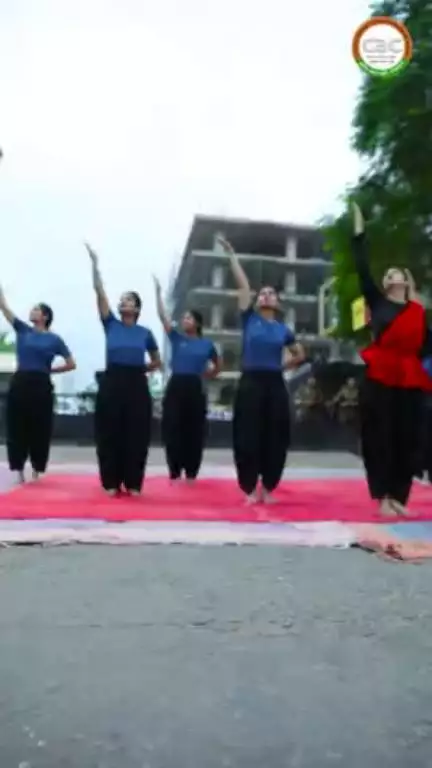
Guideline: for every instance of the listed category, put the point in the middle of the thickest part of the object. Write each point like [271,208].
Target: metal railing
[313,428]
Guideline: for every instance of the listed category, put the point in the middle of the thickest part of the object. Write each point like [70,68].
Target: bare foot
[399,508]
[267,498]
[386,509]
[251,499]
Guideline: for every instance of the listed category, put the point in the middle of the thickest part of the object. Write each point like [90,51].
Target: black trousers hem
[29,420]
[122,428]
[184,425]
[390,438]
[261,430]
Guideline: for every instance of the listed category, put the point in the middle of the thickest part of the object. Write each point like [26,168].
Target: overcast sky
[121,119]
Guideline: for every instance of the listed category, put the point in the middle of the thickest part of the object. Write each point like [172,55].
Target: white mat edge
[321,534]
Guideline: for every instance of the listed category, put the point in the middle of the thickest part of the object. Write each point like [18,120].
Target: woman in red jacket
[395,380]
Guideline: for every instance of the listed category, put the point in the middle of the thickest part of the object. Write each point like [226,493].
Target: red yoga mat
[80,497]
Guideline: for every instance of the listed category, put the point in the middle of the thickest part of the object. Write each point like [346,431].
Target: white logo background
[382,47]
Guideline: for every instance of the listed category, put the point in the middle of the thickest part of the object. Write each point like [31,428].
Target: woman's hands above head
[92,254]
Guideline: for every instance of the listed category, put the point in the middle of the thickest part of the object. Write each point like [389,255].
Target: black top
[383,311]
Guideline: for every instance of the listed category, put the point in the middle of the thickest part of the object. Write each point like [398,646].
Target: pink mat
[80,497]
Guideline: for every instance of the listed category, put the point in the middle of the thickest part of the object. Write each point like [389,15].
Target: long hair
[47,313]
[199,321]
[411,291]
[137,299]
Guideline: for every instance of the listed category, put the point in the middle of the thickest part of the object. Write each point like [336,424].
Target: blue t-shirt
[190,354]
[427,365]
[127,344]
[264,342]
[36,350]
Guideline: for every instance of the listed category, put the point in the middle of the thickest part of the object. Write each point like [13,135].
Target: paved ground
[179,657]
[190,658]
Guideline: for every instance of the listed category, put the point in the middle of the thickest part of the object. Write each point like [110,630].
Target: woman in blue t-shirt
[261,425]
[123,402]
[30,402]
[185,404]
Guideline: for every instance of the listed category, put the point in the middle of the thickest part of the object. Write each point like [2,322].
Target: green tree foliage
[392,132]
[5,345]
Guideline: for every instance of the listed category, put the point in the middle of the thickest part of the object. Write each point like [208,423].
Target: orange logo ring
[398,25]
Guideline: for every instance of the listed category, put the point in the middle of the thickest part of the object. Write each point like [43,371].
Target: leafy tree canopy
[392,133]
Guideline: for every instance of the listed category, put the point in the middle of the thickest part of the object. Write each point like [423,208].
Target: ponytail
[411,292]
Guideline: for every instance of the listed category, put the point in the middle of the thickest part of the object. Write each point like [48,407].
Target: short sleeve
[246,315]
[62,349]
[174,335]
[427,346]
[427,365]
[151,343]
[108,320]
[213,353]
[289,337]
[20,326]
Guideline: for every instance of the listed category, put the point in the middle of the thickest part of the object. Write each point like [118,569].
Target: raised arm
[368,287]
[244,289]
[5,309]
[160,306]
[101,297]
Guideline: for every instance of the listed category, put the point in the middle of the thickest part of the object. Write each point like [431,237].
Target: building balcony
[222,333]
[286,259]
[229,375]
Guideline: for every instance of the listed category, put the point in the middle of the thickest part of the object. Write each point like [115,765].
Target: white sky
[121,119]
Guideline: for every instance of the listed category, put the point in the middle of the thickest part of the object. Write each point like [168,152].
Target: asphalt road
[178,657]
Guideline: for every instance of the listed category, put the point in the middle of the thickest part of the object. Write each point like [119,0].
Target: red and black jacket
[401,337]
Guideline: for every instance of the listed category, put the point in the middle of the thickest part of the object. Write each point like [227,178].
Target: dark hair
[47,313]
[274,288]
[137,299]
[409,278]
[277,289]
[199,320]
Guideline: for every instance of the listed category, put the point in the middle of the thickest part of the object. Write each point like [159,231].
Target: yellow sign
[358,314]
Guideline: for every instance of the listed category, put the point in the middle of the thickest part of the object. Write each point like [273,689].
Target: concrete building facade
[285,256]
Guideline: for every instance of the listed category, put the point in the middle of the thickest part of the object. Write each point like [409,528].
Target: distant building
[285,256]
